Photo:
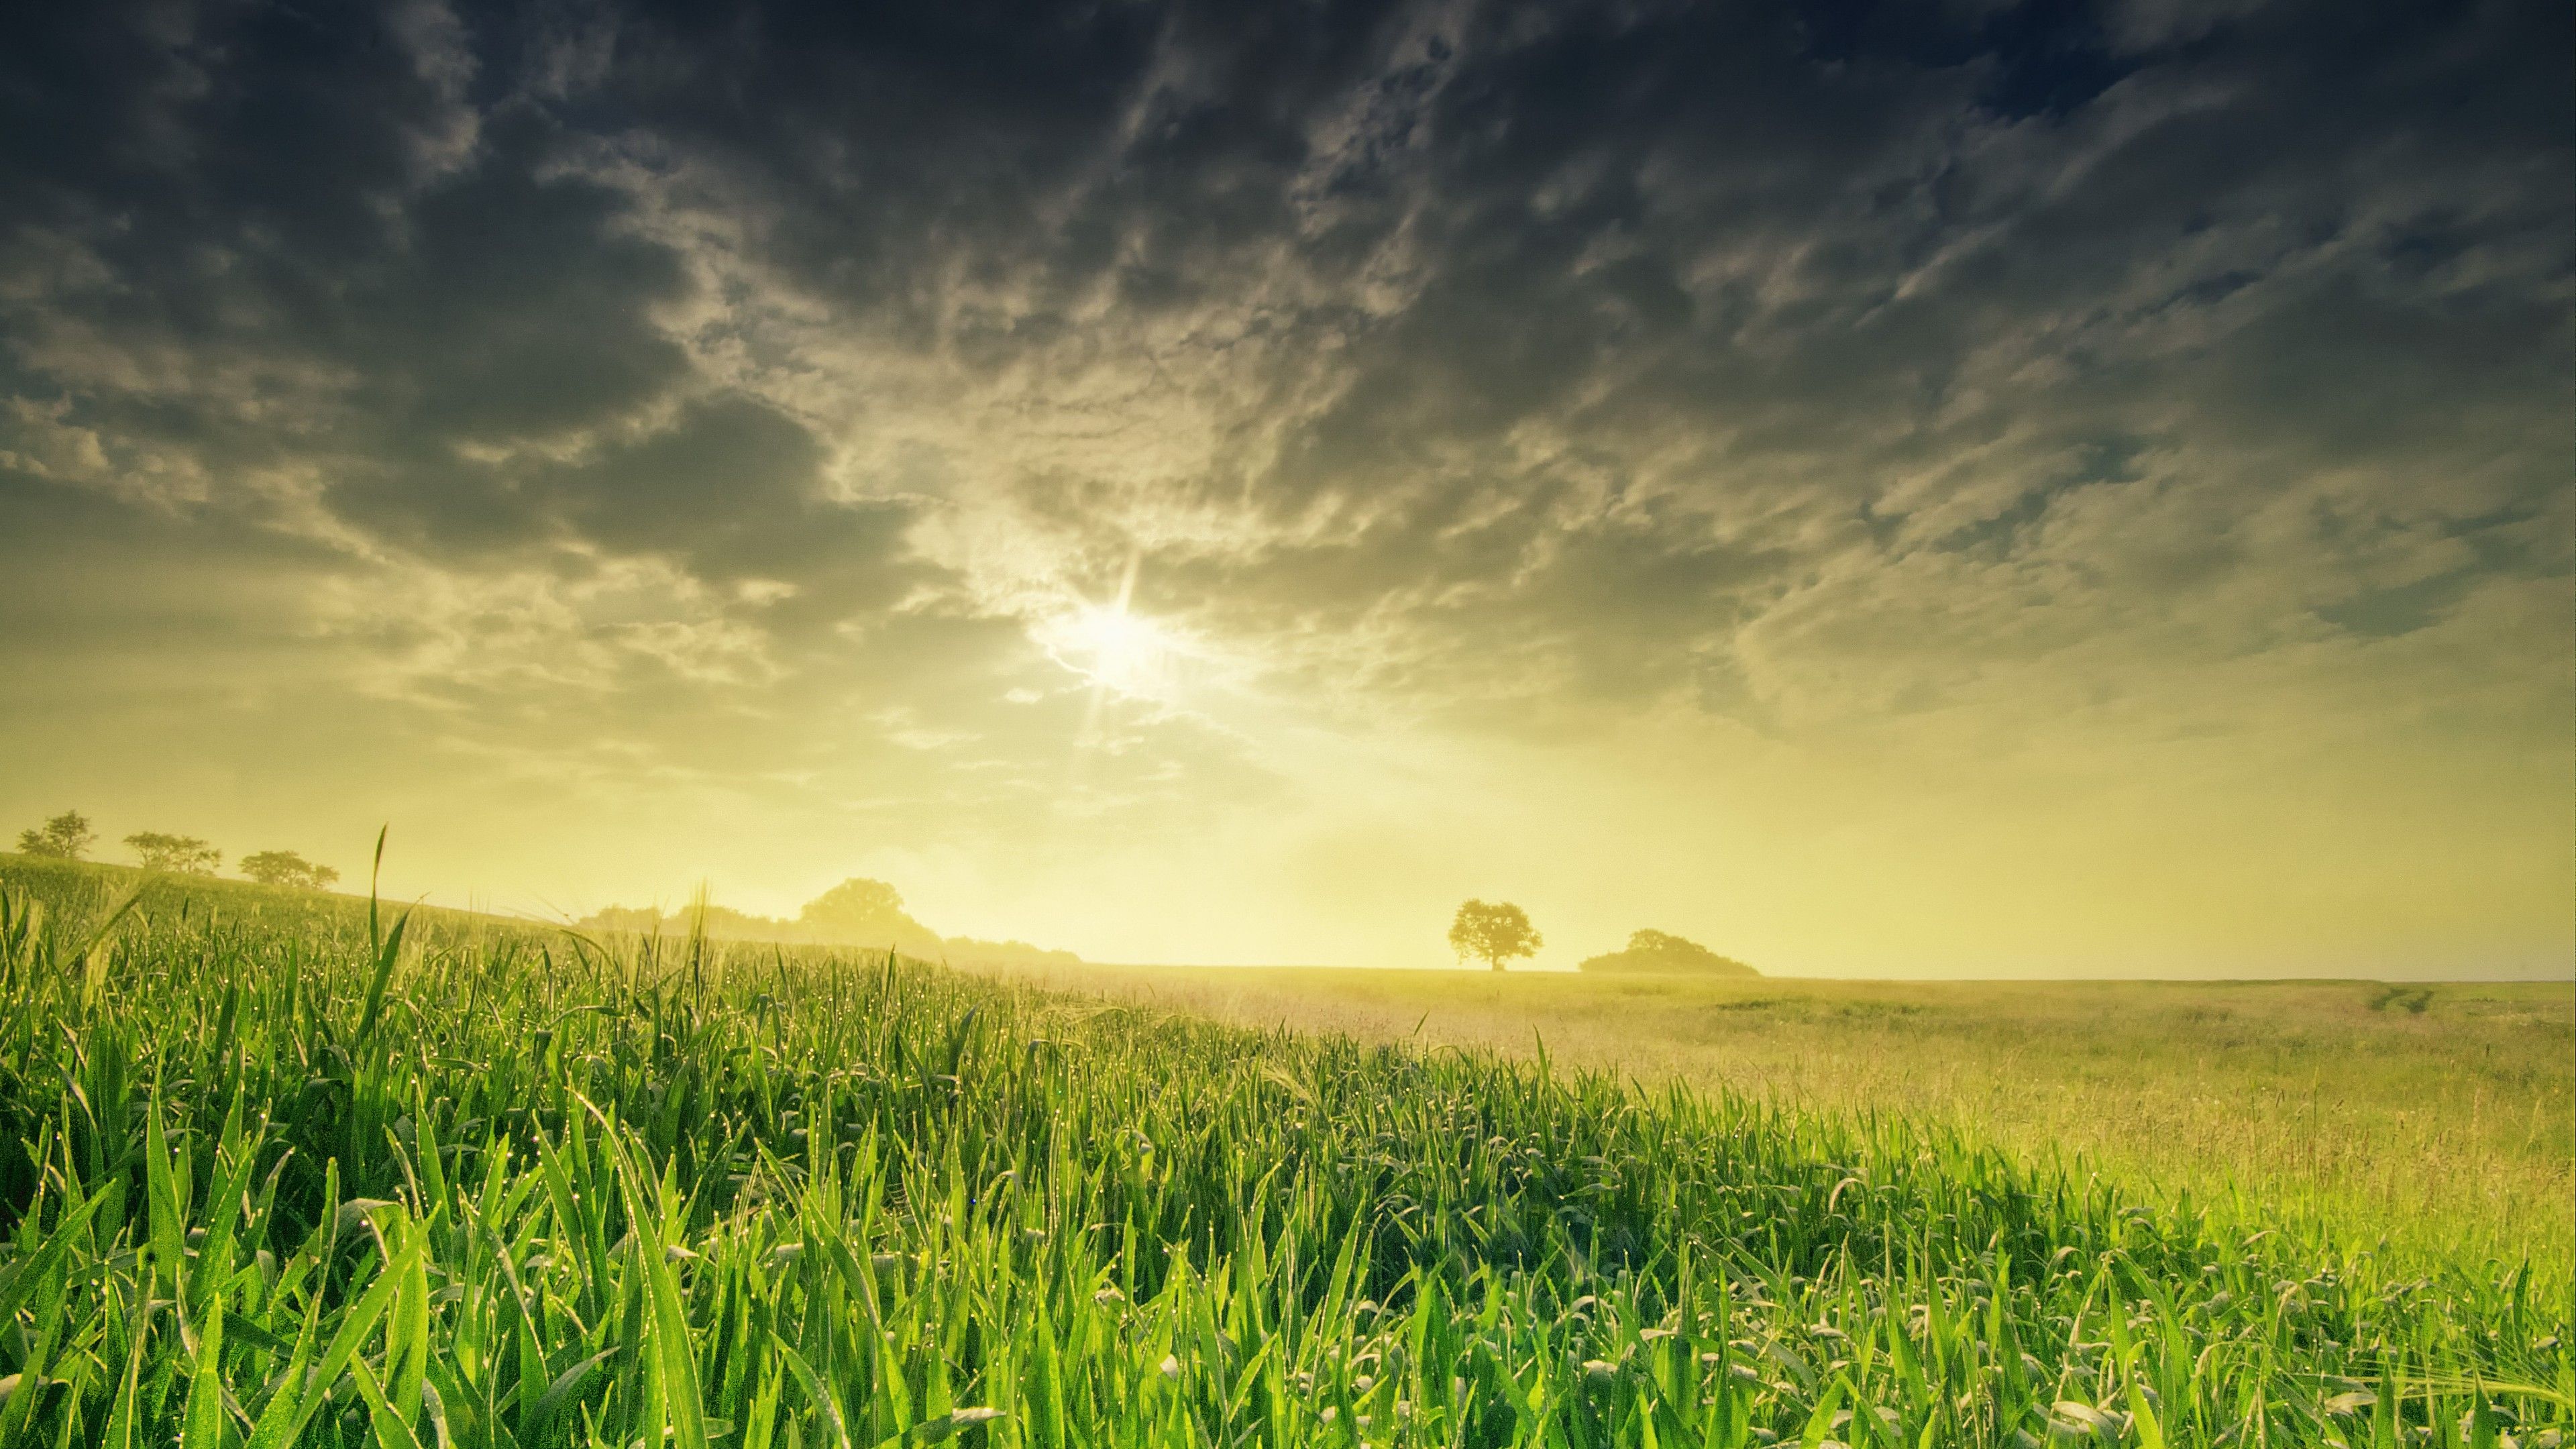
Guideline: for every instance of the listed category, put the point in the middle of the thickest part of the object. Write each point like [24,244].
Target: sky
[1906,489]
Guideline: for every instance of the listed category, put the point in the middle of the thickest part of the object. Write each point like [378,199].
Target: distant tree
[286,868]
[184,853]
[1493,933]
[642,920]
[1663,951]
[1006,953]
[855,902]
[865,912]
[65,837]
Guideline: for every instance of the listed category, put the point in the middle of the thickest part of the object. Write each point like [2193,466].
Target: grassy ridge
[288,1179]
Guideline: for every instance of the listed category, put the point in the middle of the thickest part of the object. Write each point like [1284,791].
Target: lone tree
[286,868]
[1493,933]
[866,912]
[65,837]
[184,853]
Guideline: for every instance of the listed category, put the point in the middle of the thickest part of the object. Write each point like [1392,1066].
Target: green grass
[289,1179]
[2440,1117]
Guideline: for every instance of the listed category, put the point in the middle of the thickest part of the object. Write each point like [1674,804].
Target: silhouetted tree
[65,837]
[1664,951]
[867,913]
[286,868]
[1493,933]
[185,853]
[856,902]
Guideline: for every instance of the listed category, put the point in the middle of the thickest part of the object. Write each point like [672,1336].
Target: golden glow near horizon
[1232,503]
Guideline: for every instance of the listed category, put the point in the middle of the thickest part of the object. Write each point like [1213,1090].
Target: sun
[1116,650]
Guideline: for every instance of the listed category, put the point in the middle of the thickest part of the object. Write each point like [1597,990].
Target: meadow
[296,1171]
[2436,1120]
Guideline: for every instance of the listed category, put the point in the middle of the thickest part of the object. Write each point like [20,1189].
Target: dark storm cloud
[264,238]
[1570,338]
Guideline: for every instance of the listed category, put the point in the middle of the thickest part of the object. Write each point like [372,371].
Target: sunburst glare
[1117,650]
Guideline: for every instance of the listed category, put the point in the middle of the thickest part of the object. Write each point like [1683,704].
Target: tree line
[857,912]
[1498,932]
[68,836]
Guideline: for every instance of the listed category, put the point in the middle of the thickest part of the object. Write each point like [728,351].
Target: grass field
[2441,1118]
[292,1174]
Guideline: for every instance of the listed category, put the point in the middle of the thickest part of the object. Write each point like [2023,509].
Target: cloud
[1898,380]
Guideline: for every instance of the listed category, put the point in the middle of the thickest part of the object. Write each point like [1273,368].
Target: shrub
[1662,951]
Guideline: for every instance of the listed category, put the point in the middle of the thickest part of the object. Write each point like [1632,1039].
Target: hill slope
[455,1185]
